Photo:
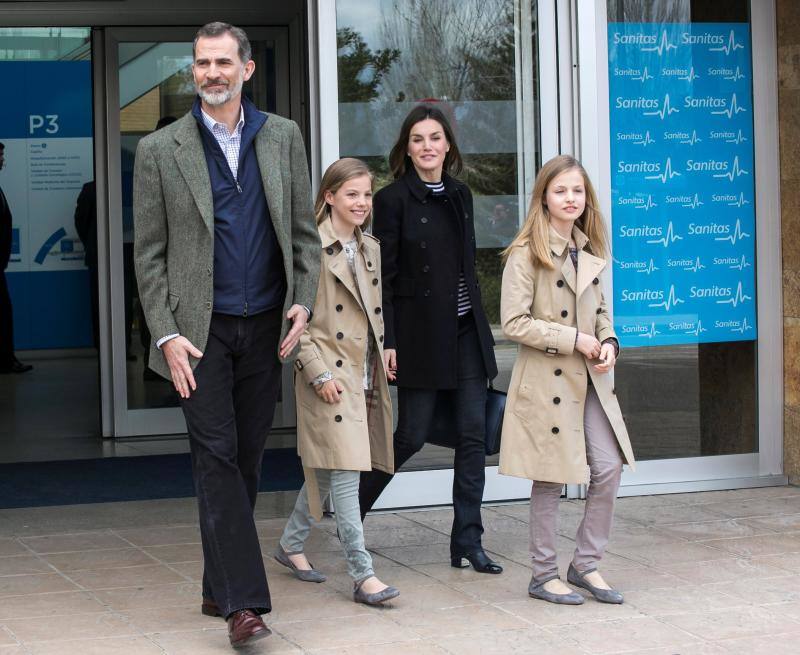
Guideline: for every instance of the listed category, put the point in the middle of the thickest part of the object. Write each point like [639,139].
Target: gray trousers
[605,465]
[343,486]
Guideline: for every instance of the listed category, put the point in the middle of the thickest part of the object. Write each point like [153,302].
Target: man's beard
[220,97]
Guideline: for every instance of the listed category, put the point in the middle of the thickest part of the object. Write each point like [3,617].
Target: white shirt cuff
[164,340]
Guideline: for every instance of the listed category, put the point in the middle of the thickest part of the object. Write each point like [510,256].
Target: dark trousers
[416,409]
[229,417]
[6,325]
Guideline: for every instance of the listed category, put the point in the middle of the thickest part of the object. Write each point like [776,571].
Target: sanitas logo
[626,231]
[709,165]
[634,39]
[706,38]
[640,295]
[640,102]
[710,292]
[638,167]
[706,102]
[705,229]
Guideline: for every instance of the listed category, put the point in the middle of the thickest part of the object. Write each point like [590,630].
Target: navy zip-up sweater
[248,264]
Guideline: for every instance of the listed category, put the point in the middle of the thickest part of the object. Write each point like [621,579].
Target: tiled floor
[703,574]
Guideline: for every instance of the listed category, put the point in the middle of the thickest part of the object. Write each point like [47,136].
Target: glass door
[488,64]
[149,85]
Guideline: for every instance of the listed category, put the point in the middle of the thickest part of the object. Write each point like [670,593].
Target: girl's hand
[330,391]
[608,358]
[390,360]
[588,345]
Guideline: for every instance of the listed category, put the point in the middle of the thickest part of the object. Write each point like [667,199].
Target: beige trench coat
[345,435]
[542,310]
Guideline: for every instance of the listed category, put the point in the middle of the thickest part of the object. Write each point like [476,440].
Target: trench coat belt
[312,491]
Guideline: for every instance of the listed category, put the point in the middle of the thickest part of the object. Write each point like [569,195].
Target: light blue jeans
[343,486]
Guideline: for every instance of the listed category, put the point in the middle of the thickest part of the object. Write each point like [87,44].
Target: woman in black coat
[438,345]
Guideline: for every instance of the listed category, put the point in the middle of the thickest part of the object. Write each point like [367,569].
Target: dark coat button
[423,220]
[595,281]
[329,250]
[339,308]
[339,335]
[599,310]
[423,245]
[337,418]
[554,430]
[560,283]
[374,282]
[369,263]
[378,310]
[557,371]
[380,338]
[339,362]
[426,268]
[564,313]
[556,400]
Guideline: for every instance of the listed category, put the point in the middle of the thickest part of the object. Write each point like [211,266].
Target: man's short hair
[218,28]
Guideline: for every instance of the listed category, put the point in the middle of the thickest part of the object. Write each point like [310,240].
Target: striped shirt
[229,142]
[464,304]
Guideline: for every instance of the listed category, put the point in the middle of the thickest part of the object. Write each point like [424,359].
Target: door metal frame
[157,421]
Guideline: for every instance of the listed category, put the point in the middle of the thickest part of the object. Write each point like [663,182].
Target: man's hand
[299,317]
[330,391]
[176,352]
[587,345]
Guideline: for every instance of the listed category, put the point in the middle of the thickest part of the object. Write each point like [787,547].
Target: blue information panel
[682,172]
[47,132]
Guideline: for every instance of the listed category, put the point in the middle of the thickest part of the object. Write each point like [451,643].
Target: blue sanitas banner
[682,171]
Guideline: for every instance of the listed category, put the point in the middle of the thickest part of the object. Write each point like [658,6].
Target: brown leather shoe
[210,608]
[246,627]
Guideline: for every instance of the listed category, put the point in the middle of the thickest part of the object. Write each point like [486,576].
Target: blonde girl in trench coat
[344,414]
[562,422]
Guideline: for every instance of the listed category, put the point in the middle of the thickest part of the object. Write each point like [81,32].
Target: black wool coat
[425,240]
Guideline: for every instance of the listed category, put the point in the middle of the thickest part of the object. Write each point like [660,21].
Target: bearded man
[226,252]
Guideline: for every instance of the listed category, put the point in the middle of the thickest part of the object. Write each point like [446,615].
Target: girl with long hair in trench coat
[344,413]
[562,422]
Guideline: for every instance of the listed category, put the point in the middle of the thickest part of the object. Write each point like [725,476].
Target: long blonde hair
[337,174]
[535,232]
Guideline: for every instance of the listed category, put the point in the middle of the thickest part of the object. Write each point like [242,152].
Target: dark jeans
[415,416]
[6,325]
[229,417]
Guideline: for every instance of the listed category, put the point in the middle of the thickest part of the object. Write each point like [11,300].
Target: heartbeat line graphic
[694,139]
[644,76]
[690,76]
[743,263]
[671,301]
[737,298]
[744,327]
[698,330]
[732,110]
[739,201]
[663,45]
[668,173]
[735,171]
[737,75]
[696,202]
[648,205]
[737,235]
[650,268]
[738,139]
[668,238]
[694,267]
[666,109]
[651,333]
[645,141]
[729,47]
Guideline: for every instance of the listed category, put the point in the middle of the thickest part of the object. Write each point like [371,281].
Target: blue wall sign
[682,181]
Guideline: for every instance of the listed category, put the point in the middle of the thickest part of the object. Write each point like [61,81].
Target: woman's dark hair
[399,161]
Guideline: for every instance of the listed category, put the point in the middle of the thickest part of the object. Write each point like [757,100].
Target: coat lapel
[589,267]
[268,154]
[191,161]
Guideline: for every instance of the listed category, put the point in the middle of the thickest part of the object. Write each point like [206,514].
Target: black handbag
[443,430]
